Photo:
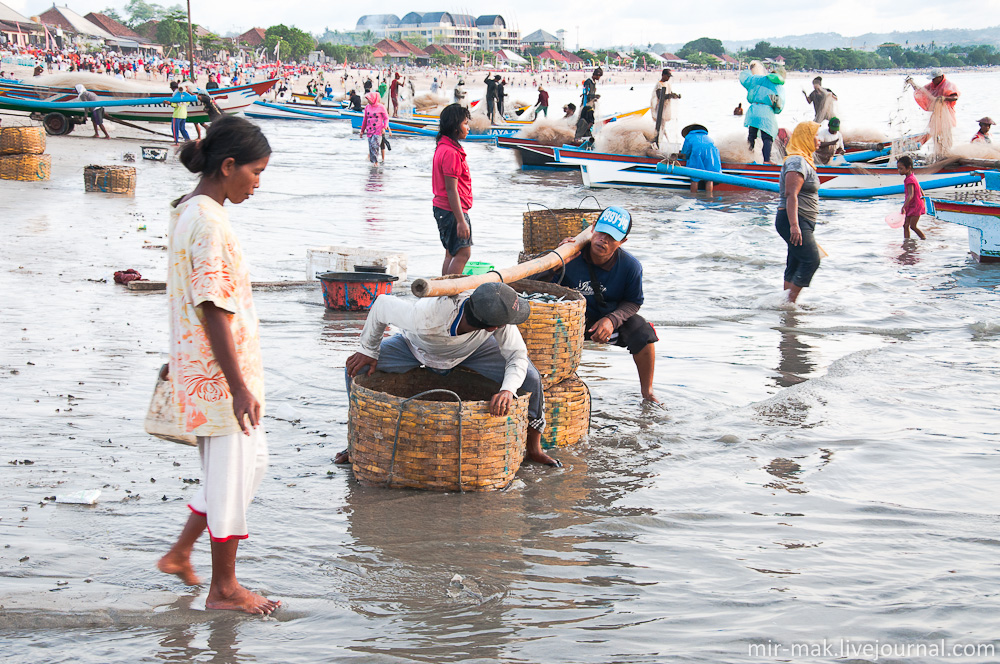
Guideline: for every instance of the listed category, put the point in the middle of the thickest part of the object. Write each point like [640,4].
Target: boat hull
[229,100]
[602,170]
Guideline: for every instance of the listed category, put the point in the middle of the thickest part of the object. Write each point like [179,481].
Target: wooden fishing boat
[602,170]
[420,127]
[979,211]
[59,119]
[265,110]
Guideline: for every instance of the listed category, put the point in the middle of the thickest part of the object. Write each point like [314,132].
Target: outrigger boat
[265,110]
[600,170]
[418,127]
[979,211]
[60,108]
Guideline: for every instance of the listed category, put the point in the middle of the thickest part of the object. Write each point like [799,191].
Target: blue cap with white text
[614,221]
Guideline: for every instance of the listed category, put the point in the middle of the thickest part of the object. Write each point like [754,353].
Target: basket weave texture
[554,331]
[567,413]
[544,229]
[431,440]
[22,140]
[26,167]
[109,179]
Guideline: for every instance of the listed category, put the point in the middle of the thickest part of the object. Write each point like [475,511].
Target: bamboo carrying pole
[442,286]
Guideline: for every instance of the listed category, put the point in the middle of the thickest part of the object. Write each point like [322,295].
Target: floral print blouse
[207,265]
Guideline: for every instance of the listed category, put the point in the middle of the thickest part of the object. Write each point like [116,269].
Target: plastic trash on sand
[895,219]
[85,497]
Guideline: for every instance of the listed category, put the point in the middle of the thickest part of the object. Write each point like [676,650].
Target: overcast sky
[599,22]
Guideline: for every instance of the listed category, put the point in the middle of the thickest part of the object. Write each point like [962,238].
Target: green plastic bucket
[475,267]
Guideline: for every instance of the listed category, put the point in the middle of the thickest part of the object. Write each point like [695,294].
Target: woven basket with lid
[554,331]
[436,434]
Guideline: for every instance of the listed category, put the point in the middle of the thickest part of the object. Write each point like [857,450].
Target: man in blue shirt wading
[610,279]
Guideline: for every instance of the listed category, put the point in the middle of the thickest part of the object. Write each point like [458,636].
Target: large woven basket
[420,443]
[554,331]
[22,140]
[567,413]
[26,167]
[109,179]
[544,229]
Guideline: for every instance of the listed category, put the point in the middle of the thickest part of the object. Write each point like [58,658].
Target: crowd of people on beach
[215,367]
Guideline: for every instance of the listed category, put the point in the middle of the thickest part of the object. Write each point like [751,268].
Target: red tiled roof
[54,17]
[670,57]
[549,54]
[254,36]
[399,49]
[148,29]
[571,58]
[444,49]
[112,26]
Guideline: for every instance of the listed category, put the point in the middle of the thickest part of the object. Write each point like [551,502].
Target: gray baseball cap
[496,305]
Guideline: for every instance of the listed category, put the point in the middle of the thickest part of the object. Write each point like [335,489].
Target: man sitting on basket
[610,279]
[477,331]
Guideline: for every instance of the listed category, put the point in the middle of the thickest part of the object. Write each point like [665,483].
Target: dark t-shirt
[621,283]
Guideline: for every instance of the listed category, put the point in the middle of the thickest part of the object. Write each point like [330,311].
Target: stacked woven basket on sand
[22,154]
[554,332]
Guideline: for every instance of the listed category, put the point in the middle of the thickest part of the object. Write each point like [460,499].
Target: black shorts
[448,230]
[635,334]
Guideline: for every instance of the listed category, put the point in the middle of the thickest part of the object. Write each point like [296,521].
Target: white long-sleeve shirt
[429,327]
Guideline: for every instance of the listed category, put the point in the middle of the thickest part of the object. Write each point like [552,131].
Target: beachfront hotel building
[489,32]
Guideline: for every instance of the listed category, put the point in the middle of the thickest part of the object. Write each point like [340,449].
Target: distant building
[19,30]
[126,39]
[253,37]
[401,52]
[70,27]
[463,32]
[543,39]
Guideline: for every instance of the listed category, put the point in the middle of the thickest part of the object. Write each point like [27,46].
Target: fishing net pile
[633,136]
[863,135]
[931,98]
[978,151]
[99,82]
[549,131]
[479,123]
[734,148]
[426,101]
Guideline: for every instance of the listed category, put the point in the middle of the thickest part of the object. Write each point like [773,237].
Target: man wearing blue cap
[610,279]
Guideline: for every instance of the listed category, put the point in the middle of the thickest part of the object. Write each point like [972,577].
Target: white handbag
[162,418]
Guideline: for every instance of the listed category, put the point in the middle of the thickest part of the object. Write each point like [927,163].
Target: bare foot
[242,600]
[343,456]
[651,398]
[543,458]
[179,566]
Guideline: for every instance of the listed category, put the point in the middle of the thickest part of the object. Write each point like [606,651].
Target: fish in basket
[424,430]
[554,331]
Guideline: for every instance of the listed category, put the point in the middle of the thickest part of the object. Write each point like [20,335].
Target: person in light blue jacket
[766,94]
[700,152]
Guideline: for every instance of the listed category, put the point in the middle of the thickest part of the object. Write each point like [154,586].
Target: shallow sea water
[825,471]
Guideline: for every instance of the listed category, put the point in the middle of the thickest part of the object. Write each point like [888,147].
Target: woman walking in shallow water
[215,364]
[798,206]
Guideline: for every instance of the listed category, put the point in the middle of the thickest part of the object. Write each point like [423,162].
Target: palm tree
[368,37]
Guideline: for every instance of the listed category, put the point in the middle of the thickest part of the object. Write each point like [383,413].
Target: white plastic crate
[343,259]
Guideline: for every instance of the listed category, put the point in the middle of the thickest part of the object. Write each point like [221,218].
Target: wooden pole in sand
[442,286]
[191,75]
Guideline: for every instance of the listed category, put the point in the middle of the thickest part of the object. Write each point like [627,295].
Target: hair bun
[193,156]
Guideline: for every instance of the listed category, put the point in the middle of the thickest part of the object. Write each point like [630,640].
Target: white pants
[234,466]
